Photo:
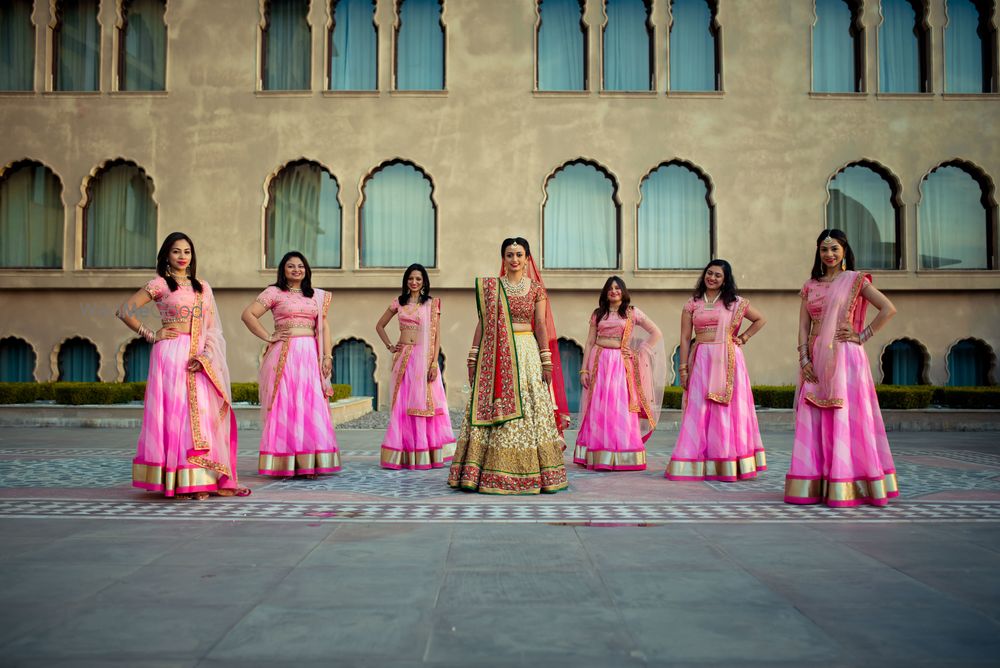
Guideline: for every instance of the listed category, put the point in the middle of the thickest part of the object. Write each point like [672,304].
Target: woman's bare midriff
[408,338]
[522,326]
[608,342]
[299,331]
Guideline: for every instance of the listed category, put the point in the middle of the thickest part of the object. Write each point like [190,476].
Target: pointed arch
[864,199]
[957,217]
[397,216]
[32,217]
[675,217]
[355,364]
[119,214]
[18,360]
[970,362]
[303,211]
[76,360]
[904,361]
[581,217]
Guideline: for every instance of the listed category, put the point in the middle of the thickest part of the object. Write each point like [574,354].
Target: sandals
[239,491]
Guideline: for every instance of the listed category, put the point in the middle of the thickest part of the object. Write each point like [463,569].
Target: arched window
[76,46]
[286,46]
[354,365]
[676,218]
[31,216]
[571,358]
[419,45]
[78,361]
[956,219]
[904,362]
[353,46]
[580,218]
[628,45]
[970,47]
[142,46]
[561,45]
[17,361]
[136,360]
[838,47]
[695,63]
[119,219]
[903,47]
[970,362]
[17,46]
[303,214]
[398,217]
[864,202]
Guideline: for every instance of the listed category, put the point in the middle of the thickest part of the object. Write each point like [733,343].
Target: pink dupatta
[273,366]
[213,423]
[720,355]
[838,308]
[421,400]
[645,375]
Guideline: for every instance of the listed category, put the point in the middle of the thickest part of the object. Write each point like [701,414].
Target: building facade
[629,137]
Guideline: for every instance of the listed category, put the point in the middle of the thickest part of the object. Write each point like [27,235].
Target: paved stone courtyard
[372,567]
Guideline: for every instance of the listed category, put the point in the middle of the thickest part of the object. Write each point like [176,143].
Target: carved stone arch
[682,162]
[54,356]
[990,353]
[369,175]
[120,356]
[615,198]
[925,358]
[374,356]
[979,174]
[16,336]
[895,184]
[103,167]
[14,165]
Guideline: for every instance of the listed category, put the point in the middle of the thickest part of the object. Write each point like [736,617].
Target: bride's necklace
[515,289]
[709,305]
[182,279]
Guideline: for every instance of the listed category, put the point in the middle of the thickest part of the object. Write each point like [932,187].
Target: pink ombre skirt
[840,456]
[298,436]
[717,441]
[416,442]
[609,438]
[160,463]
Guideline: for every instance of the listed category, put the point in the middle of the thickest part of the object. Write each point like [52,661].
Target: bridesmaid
[187,444]
[840,455]
[719,438]
[294,378]
[419,434]
[623,375]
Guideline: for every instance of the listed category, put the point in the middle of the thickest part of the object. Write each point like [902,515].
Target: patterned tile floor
[87,473]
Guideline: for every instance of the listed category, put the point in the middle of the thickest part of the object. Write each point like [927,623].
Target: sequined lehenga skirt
[522,456]
[609,437]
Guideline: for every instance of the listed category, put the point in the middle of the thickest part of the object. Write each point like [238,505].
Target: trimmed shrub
[967,397]
[18,393]
[904,396]
[81,394]
[340,391]
[672,396]
[774,396]
[245,392]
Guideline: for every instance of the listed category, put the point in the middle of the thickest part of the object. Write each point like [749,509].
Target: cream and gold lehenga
[511,439]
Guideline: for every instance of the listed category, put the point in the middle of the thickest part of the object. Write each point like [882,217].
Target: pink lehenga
[298,437]
[187,443]
[419,435]
[719,438]
[620,409]
[840,455]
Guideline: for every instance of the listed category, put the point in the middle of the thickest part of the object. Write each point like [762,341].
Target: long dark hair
[604,304]
[425,292]
[520,241]
[728,291]
[282,282]
[818,271]
[163,261]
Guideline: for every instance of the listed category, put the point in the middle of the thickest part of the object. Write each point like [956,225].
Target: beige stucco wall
[211,142]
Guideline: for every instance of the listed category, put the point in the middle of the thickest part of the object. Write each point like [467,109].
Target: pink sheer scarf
[558,384]
[273,366]
[213,424]
[646,375]
[838,308]
[720,355]
[421,400]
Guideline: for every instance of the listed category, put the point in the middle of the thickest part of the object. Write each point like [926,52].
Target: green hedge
[889,396]
[78,394]
[967,397]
